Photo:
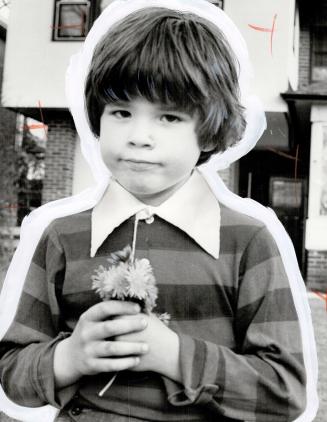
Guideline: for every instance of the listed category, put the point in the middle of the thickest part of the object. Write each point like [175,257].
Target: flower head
[127,279]
[142,284]
[111,283]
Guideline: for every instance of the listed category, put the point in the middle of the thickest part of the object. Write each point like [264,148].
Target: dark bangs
[168,57]
[152,60]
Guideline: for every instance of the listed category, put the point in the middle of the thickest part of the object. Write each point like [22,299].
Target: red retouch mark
[42,120]
[38,125]
[322,296]
[11,206]
[290,157]
[284,154]
[35,126]
[271,30]
[296,161]
[77,25]
[80,25]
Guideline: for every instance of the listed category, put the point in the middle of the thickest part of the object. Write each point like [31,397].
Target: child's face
[149,150]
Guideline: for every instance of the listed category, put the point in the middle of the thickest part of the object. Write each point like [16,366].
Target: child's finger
[113,365]
[116,327]
[107,309]
[119,348]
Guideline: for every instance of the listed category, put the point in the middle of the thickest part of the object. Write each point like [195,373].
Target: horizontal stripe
[36,283]
[73,305]
[275,306]
[76,245]
[35,314]
[266,276]
[78,278]
[72,224]
[25,334]
[181,302]
[194,302]
[159,235]
[261,248]
[217,330]
[184,268]
[194,268]
[276,335]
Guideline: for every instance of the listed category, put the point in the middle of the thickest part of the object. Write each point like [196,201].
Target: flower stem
[108,385]
[136,222]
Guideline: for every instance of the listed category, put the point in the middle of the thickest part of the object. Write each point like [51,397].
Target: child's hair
[174,58]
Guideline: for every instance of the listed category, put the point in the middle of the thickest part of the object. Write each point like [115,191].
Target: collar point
[93,252]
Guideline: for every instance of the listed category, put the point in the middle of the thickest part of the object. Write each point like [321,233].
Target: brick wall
[317,270]
[304,53]
[8,191]
[306,13]
[59,159]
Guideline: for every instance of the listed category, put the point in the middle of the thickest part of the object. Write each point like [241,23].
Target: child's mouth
[139,165]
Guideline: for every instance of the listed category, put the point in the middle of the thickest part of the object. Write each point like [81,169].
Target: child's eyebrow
[166,107]
[172,108]
[119,103]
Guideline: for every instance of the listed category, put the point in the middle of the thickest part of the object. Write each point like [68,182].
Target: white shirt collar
[193,208]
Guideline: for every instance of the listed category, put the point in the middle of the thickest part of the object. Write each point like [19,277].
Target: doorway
[269,178]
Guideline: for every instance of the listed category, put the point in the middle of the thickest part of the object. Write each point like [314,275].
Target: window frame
[323,51]
[318,22]
[56,19]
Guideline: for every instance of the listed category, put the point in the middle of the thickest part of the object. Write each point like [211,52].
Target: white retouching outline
[34,225]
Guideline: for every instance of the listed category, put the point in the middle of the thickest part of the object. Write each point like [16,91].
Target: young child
[162,96]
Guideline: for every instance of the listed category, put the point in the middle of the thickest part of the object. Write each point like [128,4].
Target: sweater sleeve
[27,349]
[263,379]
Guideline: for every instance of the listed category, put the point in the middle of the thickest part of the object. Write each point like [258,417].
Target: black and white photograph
[163,211]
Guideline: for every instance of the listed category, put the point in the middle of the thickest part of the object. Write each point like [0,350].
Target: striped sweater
[240,343]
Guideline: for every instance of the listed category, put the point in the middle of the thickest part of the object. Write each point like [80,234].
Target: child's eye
[121,114]
[170,118]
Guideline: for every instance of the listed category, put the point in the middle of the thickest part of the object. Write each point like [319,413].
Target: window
[319,53]
[72,20]
[319,44]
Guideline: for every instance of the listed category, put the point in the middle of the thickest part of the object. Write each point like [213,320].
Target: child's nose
[141,136]
[141,143]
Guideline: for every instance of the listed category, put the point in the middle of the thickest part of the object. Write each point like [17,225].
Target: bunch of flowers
[129,279]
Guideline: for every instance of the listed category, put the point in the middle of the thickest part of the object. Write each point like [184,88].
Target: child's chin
[142,191]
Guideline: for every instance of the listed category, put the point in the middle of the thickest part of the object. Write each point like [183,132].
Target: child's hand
[89,349]
[163,347]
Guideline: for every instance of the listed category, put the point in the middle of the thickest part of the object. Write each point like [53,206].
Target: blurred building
[287,41]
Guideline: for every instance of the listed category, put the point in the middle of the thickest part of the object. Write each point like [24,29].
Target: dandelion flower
[142,284]
[127,278]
